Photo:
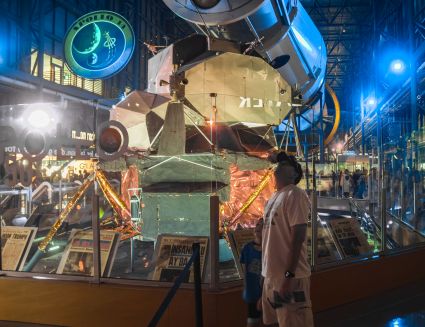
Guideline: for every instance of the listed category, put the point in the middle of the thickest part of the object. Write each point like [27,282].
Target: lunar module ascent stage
[213,102]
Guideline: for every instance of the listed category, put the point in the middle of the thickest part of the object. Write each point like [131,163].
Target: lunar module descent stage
[206,121]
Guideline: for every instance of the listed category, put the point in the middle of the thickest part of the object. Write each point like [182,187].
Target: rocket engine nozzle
[205,4]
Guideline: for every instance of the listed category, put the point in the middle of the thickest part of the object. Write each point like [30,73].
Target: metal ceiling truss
[343,25]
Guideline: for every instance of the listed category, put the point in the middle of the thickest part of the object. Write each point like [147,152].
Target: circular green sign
[99,44]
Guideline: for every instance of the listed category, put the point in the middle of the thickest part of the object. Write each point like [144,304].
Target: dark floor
[404,307]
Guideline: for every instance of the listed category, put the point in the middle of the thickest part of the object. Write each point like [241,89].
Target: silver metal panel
[306,68]
[160,69]
[225,12]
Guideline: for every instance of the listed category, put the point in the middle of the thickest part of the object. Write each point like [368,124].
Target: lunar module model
[214,99]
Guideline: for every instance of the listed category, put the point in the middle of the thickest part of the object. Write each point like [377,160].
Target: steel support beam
[413,82]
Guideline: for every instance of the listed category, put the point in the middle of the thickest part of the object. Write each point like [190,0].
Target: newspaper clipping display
[15,245]
[77,258]
[326,249]
[350,237]
[172,254]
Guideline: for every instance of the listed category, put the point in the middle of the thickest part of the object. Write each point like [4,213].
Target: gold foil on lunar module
[126,226]
[245,210]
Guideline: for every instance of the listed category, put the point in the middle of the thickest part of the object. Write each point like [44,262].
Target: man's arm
[298,235]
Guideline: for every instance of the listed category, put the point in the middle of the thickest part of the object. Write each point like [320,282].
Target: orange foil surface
[250,190]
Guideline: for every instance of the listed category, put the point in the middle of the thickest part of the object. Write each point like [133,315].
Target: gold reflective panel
[65,213]
[247,90]
[231,88]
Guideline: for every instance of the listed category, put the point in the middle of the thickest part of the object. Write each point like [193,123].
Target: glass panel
[346,226]
[353,174]
[47,67]
[167,197]
[325,177]
[327,247]
[150,209]
[45,197]
[345,230]
[56,71]
[169,222]
[404,203]
[34,65]
[250,185]
[15,238]
[65,190]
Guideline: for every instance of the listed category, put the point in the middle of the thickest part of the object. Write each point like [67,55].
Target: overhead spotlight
[371,102]
[38,119]
[397,66]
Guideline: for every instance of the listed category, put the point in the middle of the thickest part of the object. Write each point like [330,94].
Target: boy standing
[251,259]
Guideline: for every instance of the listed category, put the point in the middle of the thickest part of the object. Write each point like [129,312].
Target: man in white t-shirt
[286,271]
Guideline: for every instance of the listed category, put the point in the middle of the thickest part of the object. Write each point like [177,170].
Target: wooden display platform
[67,303]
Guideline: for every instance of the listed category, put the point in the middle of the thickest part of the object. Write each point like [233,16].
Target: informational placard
[351,239]
[99,44]
[77,258]
[172,253]
[326,249]
[15,245]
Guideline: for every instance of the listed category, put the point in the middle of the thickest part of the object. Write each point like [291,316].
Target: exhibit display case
[119,194]
[75,206]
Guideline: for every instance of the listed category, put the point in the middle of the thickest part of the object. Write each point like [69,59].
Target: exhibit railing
[194,260]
